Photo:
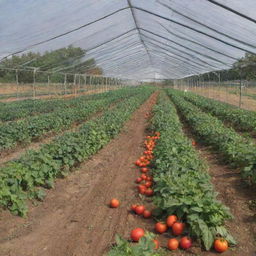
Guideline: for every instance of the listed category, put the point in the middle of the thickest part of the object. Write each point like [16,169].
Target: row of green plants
[240,119]
[32,128]
[25,108]
[236,150]
[21,179]
[182,185]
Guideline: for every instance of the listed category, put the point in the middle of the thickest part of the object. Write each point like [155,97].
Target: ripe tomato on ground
[173,244]
[177,228]
[157,244]
[161,227]
[138,180]
[144,169]
[114,203]
[149,192]
[147,214]
[136,234]
[220,245]
[171,220]
[133,207]
[140,209]
[185,242]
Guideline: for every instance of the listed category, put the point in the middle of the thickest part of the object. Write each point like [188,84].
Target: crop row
[181,183]
[26,108]
[24,131]
[240,119]
[237,150]
[20,179]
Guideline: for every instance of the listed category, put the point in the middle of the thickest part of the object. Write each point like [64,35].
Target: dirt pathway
[74,219]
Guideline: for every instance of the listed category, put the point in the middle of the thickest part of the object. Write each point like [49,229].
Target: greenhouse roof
[140,39]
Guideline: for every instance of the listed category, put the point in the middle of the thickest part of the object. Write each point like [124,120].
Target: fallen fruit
[147,214]
[114,203]
[177,228]
[136,234]
[185,242]
[171,220]
[220,245]
[144,169]
[157,244]
[149,192]
[138,180]
[140,209]
[133,207]
[173,244]
[161,227]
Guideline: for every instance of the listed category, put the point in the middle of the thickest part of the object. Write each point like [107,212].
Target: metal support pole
[48,83]
[74,83]
[34,83]
[17,83]
[240,91]
[65,84]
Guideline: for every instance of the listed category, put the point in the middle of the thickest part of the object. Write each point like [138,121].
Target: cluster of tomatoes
[145,182]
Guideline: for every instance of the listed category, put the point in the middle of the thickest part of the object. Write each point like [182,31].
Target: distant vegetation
[64,60]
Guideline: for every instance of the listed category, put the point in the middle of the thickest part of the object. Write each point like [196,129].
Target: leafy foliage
[182,185]
[25,108]
[145,247]
[237,150]
[241,119]
[19,179]
[34,127]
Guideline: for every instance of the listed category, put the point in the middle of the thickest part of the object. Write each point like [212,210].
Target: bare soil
[75,219]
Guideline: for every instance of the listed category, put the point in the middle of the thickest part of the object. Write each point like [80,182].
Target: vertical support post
[17,83]
[79,83]
[65,84]
[240,90]
[34,83]
[74,83]
[48,83]
[90,82]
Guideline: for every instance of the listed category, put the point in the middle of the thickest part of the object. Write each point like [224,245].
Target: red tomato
[220,245]
[157,244]
[170,220]
[161,227]
[149,178]
[144,170]
[185,242]
[173,244]
[138,180]
[133,207]
[114,203]
[147,214]
[148,184]
[137,162]
[140,209]
[137,233]
[149,192]
[143,176]
[142,189]
[177,228]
